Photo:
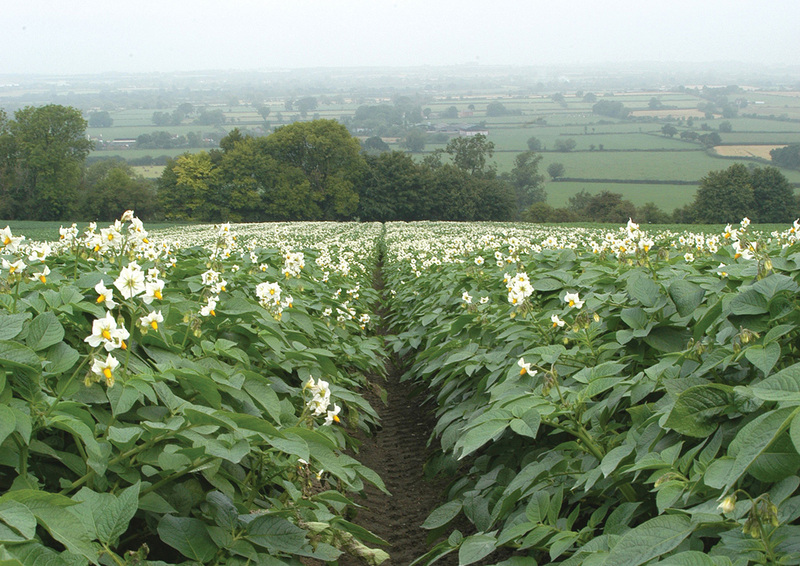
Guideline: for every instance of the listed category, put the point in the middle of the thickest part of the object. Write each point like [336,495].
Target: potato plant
[617,398]
[185,402]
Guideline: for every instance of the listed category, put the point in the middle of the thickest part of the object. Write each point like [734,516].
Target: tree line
[316,170]
[44,174]
[763,194]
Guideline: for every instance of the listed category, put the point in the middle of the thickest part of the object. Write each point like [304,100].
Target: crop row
[188,400]
[616,398]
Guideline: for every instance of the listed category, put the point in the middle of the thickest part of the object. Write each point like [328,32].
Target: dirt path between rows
[398,452]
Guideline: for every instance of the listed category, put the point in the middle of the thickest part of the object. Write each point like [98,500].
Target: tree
[725,127]
[788,156]
[184,188]
[565,144]
[773,196]
[580,201]
[451,112]
[669,130]
[724,196]
[525,178]
[611,108]
[392,189]
[50,146]
[710,140]
[263,111]
[470,154]
[496,108]
[329,158]
[375,144]
[649,213]
[210,117]
[610,207]
[534,144]
[556,170]
[9,207]
[306,105]
[415,140]
[110,187]
[100,120]
[590,97]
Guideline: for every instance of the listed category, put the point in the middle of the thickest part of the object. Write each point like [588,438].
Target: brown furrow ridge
[397,452]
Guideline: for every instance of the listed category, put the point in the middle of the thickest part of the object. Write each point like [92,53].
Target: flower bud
[728,504]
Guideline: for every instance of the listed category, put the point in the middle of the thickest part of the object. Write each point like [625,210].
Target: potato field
[210,394]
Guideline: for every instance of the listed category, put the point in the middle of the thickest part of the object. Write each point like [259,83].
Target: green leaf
[442,515]
[187,535]
[44,331]
[783,386]
[110,513]
[643,289]
[491,424]
[276,534]
[11,325]
[696,408]
[547,284]
[36,554]
[18,355]
[527,424]
[688,558]
[749,301]
[476,547]
[614,456]
[754,439]
[54,513]
[764,357]
[778,462]
[17,516]
[62,358]
[8,422]
[668,339]
[686,295]
[649,540]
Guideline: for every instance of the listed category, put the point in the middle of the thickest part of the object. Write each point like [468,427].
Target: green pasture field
[747,138]
[666,197]
[47,230]
[132,132]
[149,171]
[136,153]
[517,139]
[634,165]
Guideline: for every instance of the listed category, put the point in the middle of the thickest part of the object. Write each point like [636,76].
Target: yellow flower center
[101,298]
[571,303]
[43,279]
[157,294]
[107,373]
[154,324]
[106,334]
[522,371]
[6,241]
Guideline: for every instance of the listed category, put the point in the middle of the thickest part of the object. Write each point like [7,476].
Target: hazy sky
[91,36]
